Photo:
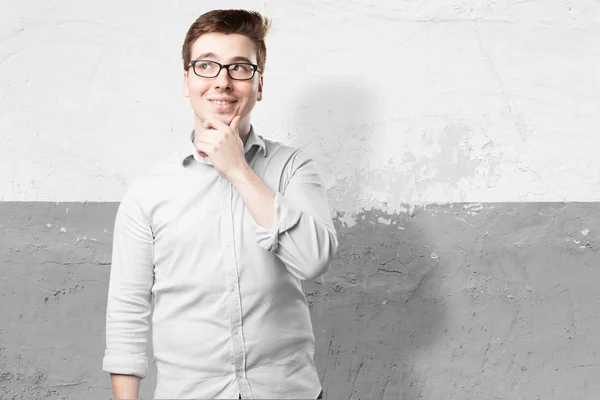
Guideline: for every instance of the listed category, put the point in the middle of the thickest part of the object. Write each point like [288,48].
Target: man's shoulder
[279,149]
[271,144]
[156,177]
[297,155]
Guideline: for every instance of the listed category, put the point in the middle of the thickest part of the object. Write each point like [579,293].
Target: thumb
[235,122]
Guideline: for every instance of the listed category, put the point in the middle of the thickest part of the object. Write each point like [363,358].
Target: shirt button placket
[234,301]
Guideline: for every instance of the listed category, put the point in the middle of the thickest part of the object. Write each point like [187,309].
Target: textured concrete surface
[402,102]
[463,301]
[480,107]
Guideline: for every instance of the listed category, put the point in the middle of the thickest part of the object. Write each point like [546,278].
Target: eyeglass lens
[210,69]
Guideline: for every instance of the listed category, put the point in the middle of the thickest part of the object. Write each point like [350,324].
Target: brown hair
[248,23]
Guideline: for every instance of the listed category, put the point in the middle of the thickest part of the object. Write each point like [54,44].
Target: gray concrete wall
[462,169]
[491,301]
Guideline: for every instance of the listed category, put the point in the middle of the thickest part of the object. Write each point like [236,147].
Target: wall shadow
[333,122]
[378,307]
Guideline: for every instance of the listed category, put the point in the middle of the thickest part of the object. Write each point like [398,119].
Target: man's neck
[244,132]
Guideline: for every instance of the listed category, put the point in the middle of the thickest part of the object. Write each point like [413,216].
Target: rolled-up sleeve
[303,236]
[129,293]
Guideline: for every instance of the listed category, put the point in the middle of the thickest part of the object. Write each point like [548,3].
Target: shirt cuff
[125,364]
[285,217]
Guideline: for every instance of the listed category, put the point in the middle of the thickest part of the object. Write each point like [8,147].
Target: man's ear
[260,88]
[186,88]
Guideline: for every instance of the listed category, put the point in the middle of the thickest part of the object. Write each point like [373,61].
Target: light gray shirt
[230,316]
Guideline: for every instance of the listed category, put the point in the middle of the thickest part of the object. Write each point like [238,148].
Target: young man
[222,237]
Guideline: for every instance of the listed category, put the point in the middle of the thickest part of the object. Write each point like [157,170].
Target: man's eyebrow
[204,56]
[213,56]
[241,59]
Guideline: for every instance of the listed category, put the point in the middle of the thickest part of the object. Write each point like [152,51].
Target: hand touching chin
[225,118]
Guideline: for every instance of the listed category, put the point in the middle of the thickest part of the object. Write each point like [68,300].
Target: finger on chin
[235,122]
[208,124]
[221,121]
[207,134]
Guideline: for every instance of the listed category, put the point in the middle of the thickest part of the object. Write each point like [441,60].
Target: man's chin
[226,118]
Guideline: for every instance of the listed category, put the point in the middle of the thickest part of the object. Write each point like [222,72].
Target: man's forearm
[257,196]
[125,387]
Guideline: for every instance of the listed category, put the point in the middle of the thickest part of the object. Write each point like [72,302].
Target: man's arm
[125,387]
[295,225]
[129,298]
[222,144]
[257,196]
[302,235]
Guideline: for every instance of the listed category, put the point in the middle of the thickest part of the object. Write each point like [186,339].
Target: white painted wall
[458,100]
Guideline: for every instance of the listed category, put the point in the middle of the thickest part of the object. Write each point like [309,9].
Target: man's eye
[204,65]
[240,67]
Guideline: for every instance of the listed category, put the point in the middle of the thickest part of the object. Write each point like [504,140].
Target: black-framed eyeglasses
[238,71]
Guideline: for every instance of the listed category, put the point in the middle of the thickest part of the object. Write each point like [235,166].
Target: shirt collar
[188,150]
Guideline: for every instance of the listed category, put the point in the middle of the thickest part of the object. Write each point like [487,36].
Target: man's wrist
[241,176]
[125,386]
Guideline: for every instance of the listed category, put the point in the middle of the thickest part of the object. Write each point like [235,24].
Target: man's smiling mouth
[222,102]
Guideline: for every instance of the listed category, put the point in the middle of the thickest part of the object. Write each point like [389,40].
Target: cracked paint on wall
[456,102]
[450,301]
[459,156]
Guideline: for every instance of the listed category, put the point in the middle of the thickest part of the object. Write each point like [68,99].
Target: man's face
[223,97]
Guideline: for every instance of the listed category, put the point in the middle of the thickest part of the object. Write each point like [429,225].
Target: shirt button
[225,204]
[232,287]
[228,246]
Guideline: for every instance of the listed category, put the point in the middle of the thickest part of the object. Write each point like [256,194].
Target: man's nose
[223,81]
